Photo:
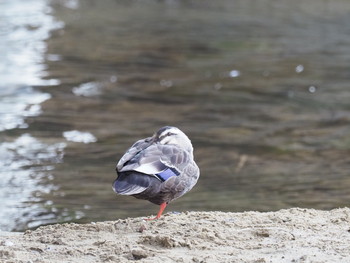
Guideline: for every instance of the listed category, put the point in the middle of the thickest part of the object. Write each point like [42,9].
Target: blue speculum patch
[167,173]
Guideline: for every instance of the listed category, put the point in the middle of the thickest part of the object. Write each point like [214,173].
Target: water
[260,87]
[25,162]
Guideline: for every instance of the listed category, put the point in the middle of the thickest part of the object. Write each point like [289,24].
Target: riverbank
[291,235]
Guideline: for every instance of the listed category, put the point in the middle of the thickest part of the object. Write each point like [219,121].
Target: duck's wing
[133,151]
[130,183]
[162,161]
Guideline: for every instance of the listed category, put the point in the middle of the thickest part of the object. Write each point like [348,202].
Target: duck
[160,168]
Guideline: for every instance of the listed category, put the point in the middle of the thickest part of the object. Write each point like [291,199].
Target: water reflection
[25,169]
[25,162]
[235,73]
[25,25]
[17,104]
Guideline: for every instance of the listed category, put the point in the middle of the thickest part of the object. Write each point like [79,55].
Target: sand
[292,235]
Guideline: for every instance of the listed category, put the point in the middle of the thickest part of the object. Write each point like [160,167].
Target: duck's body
[158,168]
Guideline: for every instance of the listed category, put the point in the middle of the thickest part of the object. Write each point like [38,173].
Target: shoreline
[288,235]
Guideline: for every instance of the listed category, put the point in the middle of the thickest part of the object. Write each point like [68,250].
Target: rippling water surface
[260,87]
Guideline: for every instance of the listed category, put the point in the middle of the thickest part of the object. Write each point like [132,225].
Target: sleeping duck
[158,168]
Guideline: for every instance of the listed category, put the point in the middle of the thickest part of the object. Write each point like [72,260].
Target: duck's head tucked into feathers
[173,135]
[160,168]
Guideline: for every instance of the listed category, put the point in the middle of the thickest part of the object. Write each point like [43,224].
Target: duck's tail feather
[130,183]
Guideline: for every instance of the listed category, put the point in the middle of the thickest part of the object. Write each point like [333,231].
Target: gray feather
[138,168]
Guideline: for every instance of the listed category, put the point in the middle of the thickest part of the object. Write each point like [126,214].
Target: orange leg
[161,209]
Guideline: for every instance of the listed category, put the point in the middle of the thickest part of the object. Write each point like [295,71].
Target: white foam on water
[78,136]
[87,89]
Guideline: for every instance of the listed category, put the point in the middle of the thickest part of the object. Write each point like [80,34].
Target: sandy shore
[292,235]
